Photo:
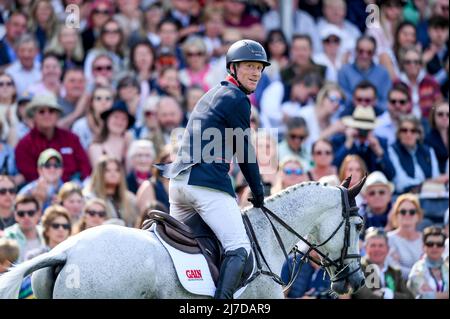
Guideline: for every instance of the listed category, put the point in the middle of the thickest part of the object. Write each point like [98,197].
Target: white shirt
[24,78]
[386,127]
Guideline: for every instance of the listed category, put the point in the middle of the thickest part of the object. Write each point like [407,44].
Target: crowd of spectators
[86,110]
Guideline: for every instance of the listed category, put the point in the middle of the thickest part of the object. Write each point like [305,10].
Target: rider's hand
[257,200]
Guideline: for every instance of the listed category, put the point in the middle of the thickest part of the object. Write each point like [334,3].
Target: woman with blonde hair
[43,21]
[290,172]
[57,227]
[68,46]
[108,183]
[95,213]
[353,165]
[70,196]
[405,240]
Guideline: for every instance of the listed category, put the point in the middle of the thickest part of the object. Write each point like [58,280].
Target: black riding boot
[230,273]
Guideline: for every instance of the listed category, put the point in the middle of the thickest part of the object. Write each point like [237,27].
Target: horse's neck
[301,207]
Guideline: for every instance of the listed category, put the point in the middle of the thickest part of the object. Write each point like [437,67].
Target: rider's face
[249,73]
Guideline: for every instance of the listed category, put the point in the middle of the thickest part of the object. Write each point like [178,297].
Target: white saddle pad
[193,271]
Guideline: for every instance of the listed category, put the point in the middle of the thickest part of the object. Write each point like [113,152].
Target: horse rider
[200,183]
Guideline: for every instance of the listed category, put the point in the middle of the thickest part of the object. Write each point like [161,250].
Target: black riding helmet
[245,50]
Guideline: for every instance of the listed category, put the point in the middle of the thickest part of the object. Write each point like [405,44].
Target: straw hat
[363,117]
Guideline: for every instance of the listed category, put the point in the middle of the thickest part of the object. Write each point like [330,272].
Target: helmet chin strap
[234,75]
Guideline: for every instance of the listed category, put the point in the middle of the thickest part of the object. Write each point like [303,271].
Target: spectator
[334,13]
[322,117]
[68,47]
[128,90]
[46,186]
[24,123]
[95,213]
[437,138]
[436,54]
[26,231]
[193,95]
[313,282]
[302,21]
[292,143]
[8,118]
[108,183]
[277,48]
[113,139]
[364,68]
[331,56]
[51,72]
[169,115]
[157,187]
[102,72]
[44,110]
[7,160]
[169,34]
[16,25]
[322,156]
[111,41]
[428,278]
[43,21]
[236,16]
[377,193]
[168,84]
[386,282]
[359,139]
[198,69]
[152,15]
[7,195]
[405,37]
[88,127]
[214,26]
[365,94]
[128,16]
[353,166]
[425,91]
[150,129]
[405,241]
[413,161]
[140,157]
[9,253]
[181,11]
[57,227]
[399,104]
[301,59]
[25,70]
[101,11]
[70,196]
[74,98]
[290,172]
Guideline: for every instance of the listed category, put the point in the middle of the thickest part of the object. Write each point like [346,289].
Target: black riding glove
[257,200]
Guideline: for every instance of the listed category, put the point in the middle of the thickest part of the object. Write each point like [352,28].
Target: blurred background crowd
[88,105]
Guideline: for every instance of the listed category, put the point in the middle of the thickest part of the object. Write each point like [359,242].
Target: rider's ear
[355,189]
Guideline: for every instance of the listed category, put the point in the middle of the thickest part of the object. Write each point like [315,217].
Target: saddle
[193,237]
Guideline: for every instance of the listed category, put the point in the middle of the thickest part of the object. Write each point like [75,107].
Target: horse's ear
[355,189]
[346,182]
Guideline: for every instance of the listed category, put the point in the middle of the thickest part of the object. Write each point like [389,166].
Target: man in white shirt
[25,71]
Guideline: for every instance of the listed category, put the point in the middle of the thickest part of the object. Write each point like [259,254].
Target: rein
[342,273]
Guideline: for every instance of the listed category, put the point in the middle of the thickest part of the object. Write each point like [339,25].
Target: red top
[75,159]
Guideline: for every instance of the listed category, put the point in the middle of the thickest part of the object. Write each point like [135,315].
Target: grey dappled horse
[112,261]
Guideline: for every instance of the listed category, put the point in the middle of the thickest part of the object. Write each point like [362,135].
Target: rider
[202,184]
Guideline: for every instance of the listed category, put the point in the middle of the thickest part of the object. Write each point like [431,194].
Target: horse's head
[339,241]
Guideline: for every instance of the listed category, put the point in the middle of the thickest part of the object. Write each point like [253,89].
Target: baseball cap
[329,30]
[46,155]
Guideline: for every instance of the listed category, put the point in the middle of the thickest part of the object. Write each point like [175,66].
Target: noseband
[343,270]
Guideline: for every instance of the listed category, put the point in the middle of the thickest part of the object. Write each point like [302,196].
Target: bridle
[342,270]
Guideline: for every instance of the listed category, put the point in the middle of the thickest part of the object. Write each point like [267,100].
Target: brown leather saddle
[193,236]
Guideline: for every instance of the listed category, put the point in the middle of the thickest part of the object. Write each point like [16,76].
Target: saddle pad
[193,271]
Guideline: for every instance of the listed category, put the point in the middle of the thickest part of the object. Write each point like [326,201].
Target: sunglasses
[99,11]
[292,171]
[44,111]
[92,213]
[297,137]
[439,244]
[380,192]
[366,52]
[401,102]
[416,62]
[22,213]
[363,100]
[100,98]
[9,83]
[63,226]
[406,130]
[320,153]
[11,191]
[191,54]
[111,31]
[335,99]
[149,113]
[442,114]
[52,165]
[332,40]
[411,212]
[103,68]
